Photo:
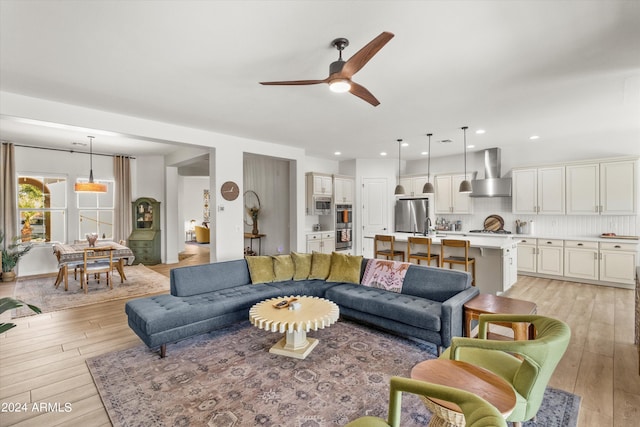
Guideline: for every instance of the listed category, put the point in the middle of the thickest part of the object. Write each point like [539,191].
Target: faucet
[427,226]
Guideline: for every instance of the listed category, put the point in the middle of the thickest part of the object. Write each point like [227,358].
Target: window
[42,208]
[96,211]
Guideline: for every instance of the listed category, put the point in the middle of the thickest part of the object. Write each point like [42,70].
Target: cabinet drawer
[527,242]
[313,237]
[140,244]
[580,244]
[328,235]
[610,246]
[550,242]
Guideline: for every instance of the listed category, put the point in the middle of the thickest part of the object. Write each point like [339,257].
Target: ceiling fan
[340,71]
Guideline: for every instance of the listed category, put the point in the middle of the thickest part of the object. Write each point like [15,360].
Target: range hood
[492,185]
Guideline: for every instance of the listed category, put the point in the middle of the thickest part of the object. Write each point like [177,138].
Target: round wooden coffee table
[314,313]
[464,376]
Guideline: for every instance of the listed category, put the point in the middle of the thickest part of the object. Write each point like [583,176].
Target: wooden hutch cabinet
[145,238]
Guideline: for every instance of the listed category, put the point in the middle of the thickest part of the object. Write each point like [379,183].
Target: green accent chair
[529,373]
[477,411]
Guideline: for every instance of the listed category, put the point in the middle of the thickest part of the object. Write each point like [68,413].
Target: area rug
[228,378]
[40,291]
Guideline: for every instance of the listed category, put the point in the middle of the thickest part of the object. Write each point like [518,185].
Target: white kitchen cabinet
[618,262]
[581,259]
[606,188]
[550,257]
[509,266]
[538,191]
[343,189]
[319,184]
[323,242]
[413,185]
[527,255]
[447,197]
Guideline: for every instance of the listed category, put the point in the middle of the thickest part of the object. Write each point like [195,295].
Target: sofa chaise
[212,296]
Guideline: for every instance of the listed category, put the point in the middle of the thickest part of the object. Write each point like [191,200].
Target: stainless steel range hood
[492,185]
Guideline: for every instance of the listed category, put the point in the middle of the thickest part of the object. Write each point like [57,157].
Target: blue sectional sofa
[212,296]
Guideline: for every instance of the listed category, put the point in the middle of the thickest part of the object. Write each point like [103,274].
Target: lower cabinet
[145,245]
[323,242]
[618,262]
[581,259]
[527,256]
[550,259]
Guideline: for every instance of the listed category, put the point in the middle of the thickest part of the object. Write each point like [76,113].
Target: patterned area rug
[40,291]
[228,378]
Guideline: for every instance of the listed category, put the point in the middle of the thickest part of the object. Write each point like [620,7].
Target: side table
[464,376]
[251,237]
[492,304]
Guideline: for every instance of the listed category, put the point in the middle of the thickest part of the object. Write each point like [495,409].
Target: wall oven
[321,205]
[344,227]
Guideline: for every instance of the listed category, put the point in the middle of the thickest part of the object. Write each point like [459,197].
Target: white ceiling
[568,71]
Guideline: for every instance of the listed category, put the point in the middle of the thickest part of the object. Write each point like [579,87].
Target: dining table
[72,255]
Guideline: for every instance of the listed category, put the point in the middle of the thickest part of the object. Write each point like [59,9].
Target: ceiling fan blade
[294,82]
[362,93]
[360,59]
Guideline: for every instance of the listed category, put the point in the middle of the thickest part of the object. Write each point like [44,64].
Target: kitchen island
[496,257]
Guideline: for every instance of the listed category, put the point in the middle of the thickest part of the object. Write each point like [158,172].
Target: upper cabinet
[606,188]
[413,185]
[539,191]
[343,189]
[319,184]
[447,197]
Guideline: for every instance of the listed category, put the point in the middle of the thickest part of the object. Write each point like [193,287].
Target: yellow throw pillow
[302,265]
[345,268]
[260,269]
[320,266]
[282,268]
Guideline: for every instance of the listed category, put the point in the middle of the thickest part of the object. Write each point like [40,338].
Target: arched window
[42,207]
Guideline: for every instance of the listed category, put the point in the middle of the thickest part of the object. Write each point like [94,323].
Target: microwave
[321,205]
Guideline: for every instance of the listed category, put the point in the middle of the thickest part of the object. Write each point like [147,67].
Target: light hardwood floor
[43,359]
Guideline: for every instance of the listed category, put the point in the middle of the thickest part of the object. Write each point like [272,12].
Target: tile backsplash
[548,225]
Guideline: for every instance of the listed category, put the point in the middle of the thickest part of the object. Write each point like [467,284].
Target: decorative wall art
[205,201]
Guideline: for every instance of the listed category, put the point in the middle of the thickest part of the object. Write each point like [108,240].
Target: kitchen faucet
[427,226]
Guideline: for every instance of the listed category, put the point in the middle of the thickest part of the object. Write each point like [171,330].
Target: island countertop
[489,242]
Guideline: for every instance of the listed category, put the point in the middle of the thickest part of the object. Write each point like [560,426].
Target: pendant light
[465,186]
[399,188]
[90,187]
[428,186]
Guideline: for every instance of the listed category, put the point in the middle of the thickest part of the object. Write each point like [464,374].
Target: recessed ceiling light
[337,153]
[470,146]
[480,131]
[424,153]
[534,137]
[384,153]
[81,144]
[445,141]
[405,144]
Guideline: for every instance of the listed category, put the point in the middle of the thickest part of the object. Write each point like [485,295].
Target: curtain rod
[71,151]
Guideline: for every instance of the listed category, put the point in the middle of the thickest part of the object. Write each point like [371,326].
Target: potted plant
[10,303]
[11,254]
[26,228]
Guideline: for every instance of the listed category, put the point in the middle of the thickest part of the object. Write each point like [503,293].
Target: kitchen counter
[496,257]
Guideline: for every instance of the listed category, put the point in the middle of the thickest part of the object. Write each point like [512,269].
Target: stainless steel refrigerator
[411,215]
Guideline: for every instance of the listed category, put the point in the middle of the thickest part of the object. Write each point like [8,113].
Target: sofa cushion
[312,288]
[302,265]
[283,268]
[433,283]
[320,266]
[198,279]
[408,309]
[345,268]
[260,269]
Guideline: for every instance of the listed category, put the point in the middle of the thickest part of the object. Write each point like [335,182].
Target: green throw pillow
[345,268]
[282,268]
[320,266]
[302,264]
[260,269]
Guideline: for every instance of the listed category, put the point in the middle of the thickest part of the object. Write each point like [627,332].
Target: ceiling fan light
[465,187]
[340,85]
[428,188]
[399,190]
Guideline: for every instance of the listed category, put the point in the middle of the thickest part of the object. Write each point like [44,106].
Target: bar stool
[387,253]
[462,260]
[418,256]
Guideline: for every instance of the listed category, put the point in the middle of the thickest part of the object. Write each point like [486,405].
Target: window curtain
[8,197]
[122,218]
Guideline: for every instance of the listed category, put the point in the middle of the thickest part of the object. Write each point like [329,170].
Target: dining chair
[421,256]
[390,253]
[456,259]
[477,411]
[96,261]
[529,373]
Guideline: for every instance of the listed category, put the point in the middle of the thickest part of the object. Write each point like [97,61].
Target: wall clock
[230,190]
